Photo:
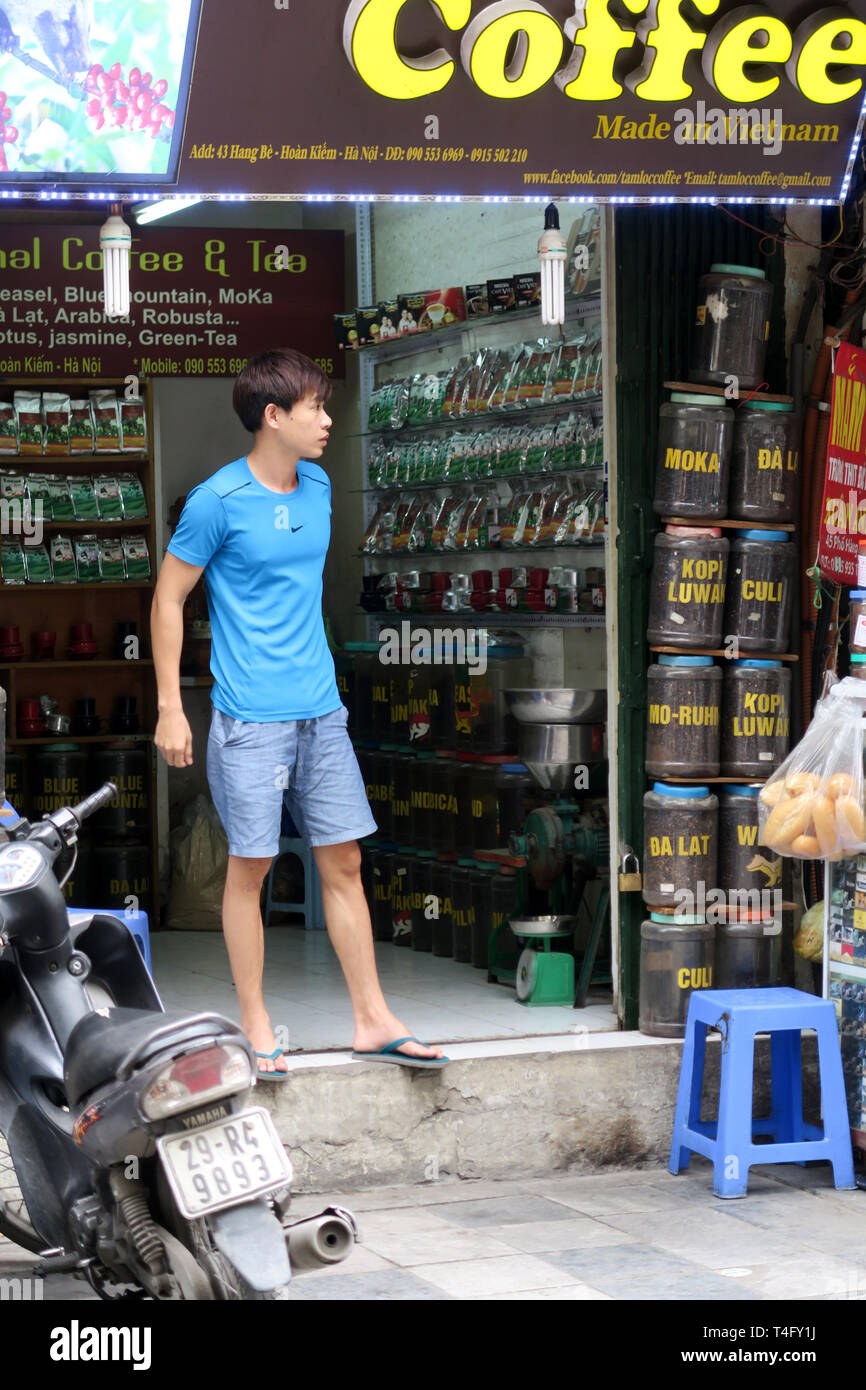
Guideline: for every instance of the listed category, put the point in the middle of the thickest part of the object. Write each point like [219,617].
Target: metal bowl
[562,706]
[541,926]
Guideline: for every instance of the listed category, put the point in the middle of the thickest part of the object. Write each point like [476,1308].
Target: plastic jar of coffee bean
[765,463]
[745,865]
[684,697]
[676,958]
[695,439]
[756,717]
[732,326]
[857,622]
[687,588]
[681,833]
[760,591]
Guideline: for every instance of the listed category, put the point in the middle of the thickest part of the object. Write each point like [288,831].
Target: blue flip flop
[389,1053]
[271,1075]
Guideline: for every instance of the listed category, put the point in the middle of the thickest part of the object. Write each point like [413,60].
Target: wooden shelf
[139,523]
[97,586]
[737,525]
[35,461]
[110,664]
[58,606]
[714,651]
[695,388]
[79,738]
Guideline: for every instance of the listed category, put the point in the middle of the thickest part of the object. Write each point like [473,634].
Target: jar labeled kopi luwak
[687,589]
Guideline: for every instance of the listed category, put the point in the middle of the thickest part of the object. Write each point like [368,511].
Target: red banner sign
[203,301]
[843,509]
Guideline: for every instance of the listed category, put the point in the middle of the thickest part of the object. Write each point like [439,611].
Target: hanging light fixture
[552,252]
[115,243]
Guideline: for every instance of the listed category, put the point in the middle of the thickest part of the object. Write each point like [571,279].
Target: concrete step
[526,1107]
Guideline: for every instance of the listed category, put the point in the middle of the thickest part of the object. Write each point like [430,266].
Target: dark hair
[281,377]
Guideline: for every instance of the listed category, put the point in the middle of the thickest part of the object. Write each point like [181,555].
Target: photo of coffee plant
[92,87]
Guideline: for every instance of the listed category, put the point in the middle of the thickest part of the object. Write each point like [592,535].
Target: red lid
[469,757]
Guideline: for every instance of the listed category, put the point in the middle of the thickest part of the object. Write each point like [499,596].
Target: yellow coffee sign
[593,100]
[510,51]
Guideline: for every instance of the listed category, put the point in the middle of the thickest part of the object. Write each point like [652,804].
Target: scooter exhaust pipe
[320,1240]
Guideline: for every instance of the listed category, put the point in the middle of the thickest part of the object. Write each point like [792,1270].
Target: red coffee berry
[95,70]
[5,112]
[121,91]
[121,113]
[160,88]
[168,119]
[10,134]
[146,79]
[154,128]
[2,98]
[134,75]
[98,120]
[93,106]
[104,82]
[114,71]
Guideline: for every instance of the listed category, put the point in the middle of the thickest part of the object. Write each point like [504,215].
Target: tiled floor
[439,999]
[622,1235]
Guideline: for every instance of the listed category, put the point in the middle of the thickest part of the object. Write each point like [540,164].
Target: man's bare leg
[347,917]
[245,942]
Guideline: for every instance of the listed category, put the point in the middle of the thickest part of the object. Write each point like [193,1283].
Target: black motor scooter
[129,1153]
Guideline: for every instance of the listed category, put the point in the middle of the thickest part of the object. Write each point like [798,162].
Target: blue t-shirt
[263,554]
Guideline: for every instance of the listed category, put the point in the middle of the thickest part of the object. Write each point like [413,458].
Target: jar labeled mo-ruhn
[684,695]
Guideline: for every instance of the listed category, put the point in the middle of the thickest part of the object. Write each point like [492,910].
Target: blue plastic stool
[135,922]
[739,1014]
[311,903]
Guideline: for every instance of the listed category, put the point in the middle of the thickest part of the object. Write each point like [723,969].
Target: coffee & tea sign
[843,509]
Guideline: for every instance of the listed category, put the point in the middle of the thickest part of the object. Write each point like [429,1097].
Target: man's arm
[176,581]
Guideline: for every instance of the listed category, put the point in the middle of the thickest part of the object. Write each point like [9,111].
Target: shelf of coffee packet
[697,388]
[493,418]
[723,523]
[492,618]
[597,544]
[411,344]
[550,473]
[728,656]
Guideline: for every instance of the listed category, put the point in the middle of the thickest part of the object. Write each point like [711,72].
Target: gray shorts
[310,762]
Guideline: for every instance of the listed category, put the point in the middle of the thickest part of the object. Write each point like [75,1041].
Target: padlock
[630,880]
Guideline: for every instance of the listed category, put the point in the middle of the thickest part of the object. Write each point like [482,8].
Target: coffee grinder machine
[561,742]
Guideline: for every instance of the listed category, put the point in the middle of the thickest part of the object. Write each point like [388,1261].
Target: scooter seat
[98,1043]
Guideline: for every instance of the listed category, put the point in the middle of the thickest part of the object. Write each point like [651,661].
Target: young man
[259,531]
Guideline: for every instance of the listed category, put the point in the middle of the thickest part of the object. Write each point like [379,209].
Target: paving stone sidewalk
[625,1234]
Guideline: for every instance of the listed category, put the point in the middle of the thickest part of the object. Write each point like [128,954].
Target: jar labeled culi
[676,958]
[760,591]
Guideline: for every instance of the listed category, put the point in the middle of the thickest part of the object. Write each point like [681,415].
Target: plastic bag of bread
[813,805]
